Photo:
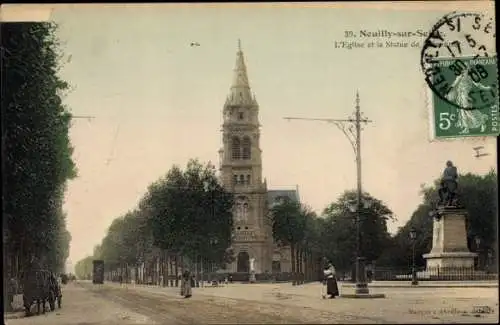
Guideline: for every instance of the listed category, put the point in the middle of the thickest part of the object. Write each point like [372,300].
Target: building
[241,173]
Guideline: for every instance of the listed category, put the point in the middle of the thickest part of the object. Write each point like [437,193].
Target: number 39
[445,120]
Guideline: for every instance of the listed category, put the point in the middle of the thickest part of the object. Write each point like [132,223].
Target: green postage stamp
[451,121]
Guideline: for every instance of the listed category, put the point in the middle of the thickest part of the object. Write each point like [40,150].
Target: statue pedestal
[252,278]
[449,252]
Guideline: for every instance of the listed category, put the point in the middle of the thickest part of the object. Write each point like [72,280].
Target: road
[87,304]
[80,306]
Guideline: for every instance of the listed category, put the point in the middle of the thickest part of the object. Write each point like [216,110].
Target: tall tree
[61,239]
[97,251]
[399,251]
[313,250]
[340,230]
[84,268]
[36,147]
[190,213]
[289,224]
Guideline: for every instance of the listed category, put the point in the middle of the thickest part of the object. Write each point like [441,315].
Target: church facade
[241,173]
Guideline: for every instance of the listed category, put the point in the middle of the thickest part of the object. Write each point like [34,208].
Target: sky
[157,101]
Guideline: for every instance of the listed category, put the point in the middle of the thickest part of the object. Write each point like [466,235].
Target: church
[241,173]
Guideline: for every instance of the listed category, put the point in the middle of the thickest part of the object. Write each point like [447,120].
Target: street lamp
[353,206]
[357,207]
[413,237]
[477,240]
[351,127]
[208,187]
[488,260]
[212,242]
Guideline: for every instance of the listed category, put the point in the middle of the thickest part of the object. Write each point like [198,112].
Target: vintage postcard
[250,162]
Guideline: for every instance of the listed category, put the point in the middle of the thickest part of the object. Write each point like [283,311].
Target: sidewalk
[400,305]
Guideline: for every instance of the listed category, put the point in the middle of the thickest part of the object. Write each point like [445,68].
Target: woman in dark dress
[332,288]
[186,284]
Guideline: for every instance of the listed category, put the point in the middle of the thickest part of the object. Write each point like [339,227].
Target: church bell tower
[241,173]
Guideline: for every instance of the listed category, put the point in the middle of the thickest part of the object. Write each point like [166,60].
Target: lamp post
[351,127]
[477,240]
[488,260]
[357,207]
[212,242]
[413,237]
[208,188]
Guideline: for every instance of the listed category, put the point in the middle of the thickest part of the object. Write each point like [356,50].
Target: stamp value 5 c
[448,120]
[459,62]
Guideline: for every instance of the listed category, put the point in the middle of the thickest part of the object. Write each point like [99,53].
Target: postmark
[459,61]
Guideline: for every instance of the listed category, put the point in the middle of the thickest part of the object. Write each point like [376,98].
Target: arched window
[248,179]
[242,179]
[235,179]
[246,148]
[242,208]
[235,148]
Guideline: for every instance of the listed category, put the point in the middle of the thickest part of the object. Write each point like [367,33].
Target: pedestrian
[369,275]
[193,281]
[12,290]
[186,284]
[330,279]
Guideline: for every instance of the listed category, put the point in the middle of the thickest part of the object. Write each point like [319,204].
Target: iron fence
[433,274]
[378,273]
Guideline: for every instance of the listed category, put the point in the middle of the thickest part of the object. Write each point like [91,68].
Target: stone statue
[252,278]
[252,264]
[448,187]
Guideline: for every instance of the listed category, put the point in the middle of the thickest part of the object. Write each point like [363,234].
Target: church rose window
[235,148]
[246,148]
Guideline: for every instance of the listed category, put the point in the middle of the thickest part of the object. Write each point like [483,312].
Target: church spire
[240,92]
[240,78]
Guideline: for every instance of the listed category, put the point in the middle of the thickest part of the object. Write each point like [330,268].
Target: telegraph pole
[351,127]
